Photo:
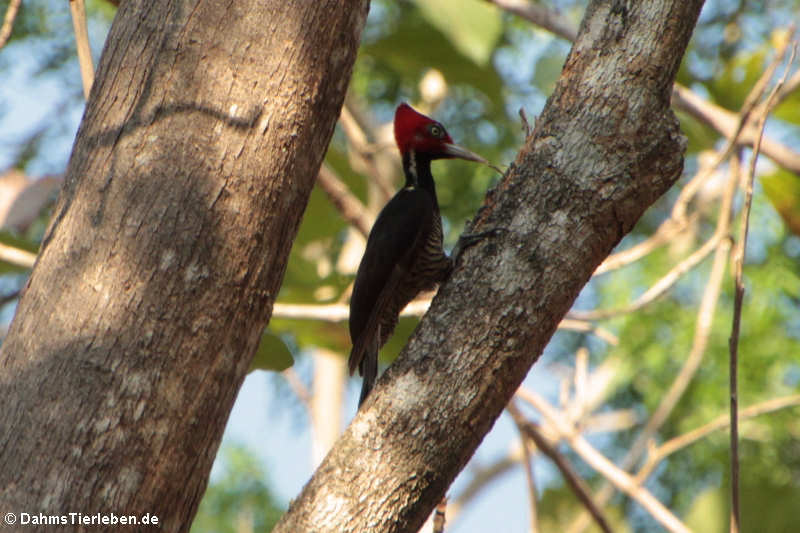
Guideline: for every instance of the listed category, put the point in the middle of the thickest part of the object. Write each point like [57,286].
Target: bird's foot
[470,239]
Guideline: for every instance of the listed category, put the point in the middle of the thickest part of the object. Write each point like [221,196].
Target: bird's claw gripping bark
[470,239]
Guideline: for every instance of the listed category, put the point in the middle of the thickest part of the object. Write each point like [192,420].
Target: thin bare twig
[78,10]
[575,482]
[8,21]
[668,230]
[539,15]
[527,464]
[526,126]
[590,397]
[658,288]
[588,327]
[750,103]
[658,454]
[338,312]
[683,98]
[621,479]
[705,317]
[351,208]
[738,262]
[481,477]
[788,88]
[360,143]
[725,121]
[10,297]
[16,256]
[299,388]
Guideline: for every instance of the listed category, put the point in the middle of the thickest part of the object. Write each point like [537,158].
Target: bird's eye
[436,131]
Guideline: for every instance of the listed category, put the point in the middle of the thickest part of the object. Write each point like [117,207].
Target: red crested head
[414,131]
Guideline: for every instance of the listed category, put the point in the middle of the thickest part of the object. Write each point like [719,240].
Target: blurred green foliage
[271,354]
[494,64]
[239,499]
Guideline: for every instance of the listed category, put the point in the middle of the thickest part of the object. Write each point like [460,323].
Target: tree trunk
[604,149]
[199,147]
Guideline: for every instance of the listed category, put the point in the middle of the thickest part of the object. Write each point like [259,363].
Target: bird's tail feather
[369,366]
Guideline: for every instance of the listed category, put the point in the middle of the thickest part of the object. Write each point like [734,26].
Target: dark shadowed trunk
[202,137]
[604,149]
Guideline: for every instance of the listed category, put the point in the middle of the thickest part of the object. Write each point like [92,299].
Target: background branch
[527,465]
[711,293]
[738,265]
[575,482]
[8,21]
[618,477]
[351,208]
[78,10]
[723,121]
[15,256]
[339,312]
[658,288]
[657,454]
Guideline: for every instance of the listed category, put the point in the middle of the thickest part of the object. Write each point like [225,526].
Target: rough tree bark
[605,148]
[205,129]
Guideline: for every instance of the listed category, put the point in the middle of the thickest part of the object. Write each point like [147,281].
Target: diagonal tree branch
[540,15]
[606,146]
[665,233]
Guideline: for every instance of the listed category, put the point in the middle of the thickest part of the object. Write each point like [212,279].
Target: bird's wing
[405,219]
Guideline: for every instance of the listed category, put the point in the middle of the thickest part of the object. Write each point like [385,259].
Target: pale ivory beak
[454,150]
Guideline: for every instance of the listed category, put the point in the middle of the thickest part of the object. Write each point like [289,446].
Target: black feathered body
[403,257]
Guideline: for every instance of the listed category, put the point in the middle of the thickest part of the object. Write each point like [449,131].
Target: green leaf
[272,354]
[708,512]
[789,110]
[783,190]
[473,27]
[240,498]
[701,136]
[738,77]
[417,46]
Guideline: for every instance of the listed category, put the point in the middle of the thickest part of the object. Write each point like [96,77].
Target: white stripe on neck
[412,167]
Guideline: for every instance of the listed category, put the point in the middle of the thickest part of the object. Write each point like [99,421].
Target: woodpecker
[404,253]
